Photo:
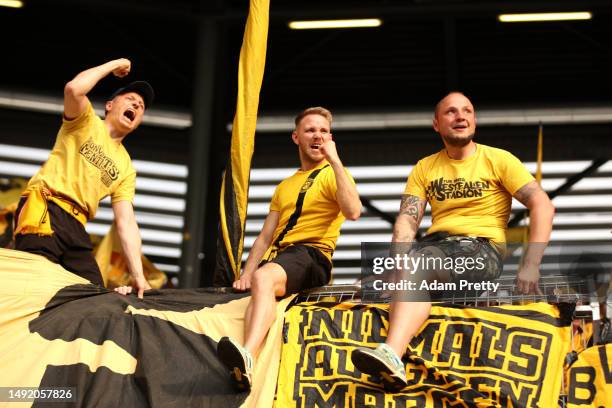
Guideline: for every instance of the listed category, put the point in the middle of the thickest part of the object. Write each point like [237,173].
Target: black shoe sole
[375,368]
[231,357]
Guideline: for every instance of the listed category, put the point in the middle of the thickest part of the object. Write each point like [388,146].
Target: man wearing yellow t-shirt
[295,246]
[87,163]
[469,187]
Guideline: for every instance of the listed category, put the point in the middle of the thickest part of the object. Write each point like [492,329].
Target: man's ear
[294,136]
[435,124]
[109,105]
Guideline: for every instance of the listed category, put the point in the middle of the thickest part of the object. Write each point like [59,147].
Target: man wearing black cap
[88,163]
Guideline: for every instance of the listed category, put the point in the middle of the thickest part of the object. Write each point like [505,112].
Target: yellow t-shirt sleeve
[415,185]
[513,173]
[274,204]
[125,190]
[80,121]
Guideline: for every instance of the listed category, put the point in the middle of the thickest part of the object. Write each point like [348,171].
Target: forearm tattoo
[413,207]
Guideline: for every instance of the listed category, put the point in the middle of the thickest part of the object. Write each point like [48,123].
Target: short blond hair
[315,110]
[448,94]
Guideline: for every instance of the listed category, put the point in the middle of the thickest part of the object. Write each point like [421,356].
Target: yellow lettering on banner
[491,359]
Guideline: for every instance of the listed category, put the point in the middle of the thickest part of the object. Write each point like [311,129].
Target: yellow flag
[235,185]
[539,161]
[10,192]
[114,269]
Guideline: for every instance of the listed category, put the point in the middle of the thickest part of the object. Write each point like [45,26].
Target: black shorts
[473,259]
[69,246]
[306,267]
[467,259]
[444,267]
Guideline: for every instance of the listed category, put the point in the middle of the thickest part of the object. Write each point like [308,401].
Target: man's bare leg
[405,319]
[269,281]
[406,315]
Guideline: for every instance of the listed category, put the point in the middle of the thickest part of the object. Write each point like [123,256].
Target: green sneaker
[381,362]
[238,360]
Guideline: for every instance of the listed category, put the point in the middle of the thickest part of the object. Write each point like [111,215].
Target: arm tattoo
[412,206]
[525,193]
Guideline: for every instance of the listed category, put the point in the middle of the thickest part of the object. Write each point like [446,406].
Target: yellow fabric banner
[235,184]
[10,191]
[505,356]
[56,330]
[590,378]
[113,266]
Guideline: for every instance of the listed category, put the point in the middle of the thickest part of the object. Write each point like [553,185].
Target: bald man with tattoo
[469,187]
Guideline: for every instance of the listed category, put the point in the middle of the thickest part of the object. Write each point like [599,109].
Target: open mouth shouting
[315,146]
[130,114]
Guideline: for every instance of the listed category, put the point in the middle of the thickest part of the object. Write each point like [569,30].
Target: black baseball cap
[142,88]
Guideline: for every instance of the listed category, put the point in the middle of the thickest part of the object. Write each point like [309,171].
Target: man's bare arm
[346,193]
[412,209]
[129,236]
[258,250]
[75,91]
[541,213]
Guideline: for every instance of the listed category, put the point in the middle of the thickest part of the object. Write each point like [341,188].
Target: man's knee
[264,277]
[259,281]
[270,277]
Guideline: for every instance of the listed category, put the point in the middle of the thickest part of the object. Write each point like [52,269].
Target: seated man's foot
[238,360]
[381,362]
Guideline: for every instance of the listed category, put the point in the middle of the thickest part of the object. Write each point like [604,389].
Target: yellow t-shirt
[86,165]
[319,221]
[470,197]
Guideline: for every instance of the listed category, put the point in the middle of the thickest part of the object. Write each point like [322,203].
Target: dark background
[423,49]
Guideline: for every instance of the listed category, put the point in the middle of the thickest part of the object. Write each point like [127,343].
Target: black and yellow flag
[509,356]
[590,378]
[235,184]
[113,265]
[58,331]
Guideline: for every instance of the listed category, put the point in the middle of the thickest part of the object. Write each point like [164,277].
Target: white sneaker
[381,362]
[238,360]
